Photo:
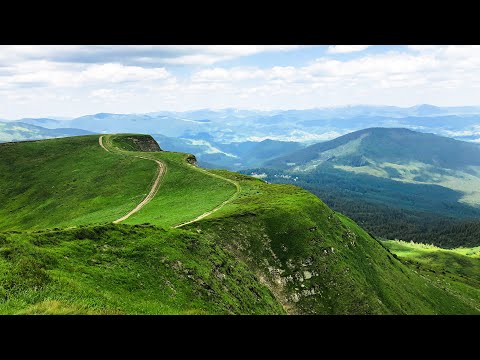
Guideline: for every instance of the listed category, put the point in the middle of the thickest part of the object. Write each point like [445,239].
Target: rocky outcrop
[144,143]
[191,159]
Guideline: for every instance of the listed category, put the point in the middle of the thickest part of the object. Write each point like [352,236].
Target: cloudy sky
[70,81]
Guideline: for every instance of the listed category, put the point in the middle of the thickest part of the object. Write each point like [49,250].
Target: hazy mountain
[18,131]
[310,125]
[45,122]
[375,146]
[237,155]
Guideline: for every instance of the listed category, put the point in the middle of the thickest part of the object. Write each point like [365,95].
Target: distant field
[464,181]
[464,262]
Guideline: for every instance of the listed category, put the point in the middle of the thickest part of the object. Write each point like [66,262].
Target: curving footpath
[153,191]
[162,169]
[204,215]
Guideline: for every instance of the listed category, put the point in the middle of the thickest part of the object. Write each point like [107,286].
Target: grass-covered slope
[66,182]
[186,191]
[464,262]
[317,261]
[73,181]
[269,249]
[123,269]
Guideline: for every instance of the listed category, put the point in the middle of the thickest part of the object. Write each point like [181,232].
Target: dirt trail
[161,171]
[100,141]
[204,215]
[153,191]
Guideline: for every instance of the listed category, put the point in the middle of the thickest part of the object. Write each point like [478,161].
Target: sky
[70,81]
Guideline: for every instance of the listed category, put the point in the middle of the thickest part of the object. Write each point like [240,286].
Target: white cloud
[145,55]
[120,73]
[44,73]
[36,80]
[343,49]
[222,74]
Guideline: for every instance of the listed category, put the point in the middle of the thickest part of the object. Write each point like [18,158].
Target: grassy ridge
[185,191]
[67,182]
[73,181]
[318,261]
[123,269]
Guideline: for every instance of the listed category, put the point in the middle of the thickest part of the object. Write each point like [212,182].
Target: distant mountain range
[308,126]
[374,147]
[233,156]
[396,154]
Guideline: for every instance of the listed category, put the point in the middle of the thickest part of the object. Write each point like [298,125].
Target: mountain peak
[389,145]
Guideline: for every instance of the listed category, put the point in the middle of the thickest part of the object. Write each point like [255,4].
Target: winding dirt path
[204,215]
[100,141]
[153,191]
[160,173]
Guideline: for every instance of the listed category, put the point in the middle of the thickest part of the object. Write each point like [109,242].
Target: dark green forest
[390,209]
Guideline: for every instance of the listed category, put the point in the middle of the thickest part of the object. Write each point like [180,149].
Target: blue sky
[71,81]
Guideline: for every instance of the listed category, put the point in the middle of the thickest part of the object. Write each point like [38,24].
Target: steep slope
[396,182]
[123,269]
[266,249]
[318,261]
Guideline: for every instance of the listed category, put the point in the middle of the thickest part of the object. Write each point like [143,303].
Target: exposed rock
[307,275]
[144,143]
[191,159]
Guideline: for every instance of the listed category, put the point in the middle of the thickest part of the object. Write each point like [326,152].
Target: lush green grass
[318,261]
[123,269]
[67,182]
[311,259]
[464,262]
[455,270]
[185,193]
[73,181]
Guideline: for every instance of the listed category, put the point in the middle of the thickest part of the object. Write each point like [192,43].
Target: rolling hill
[378,147]
[206,242]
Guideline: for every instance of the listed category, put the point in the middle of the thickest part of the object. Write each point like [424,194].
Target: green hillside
[66,182]
[398,154]
[464,262]
[257,248]
[396,183]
